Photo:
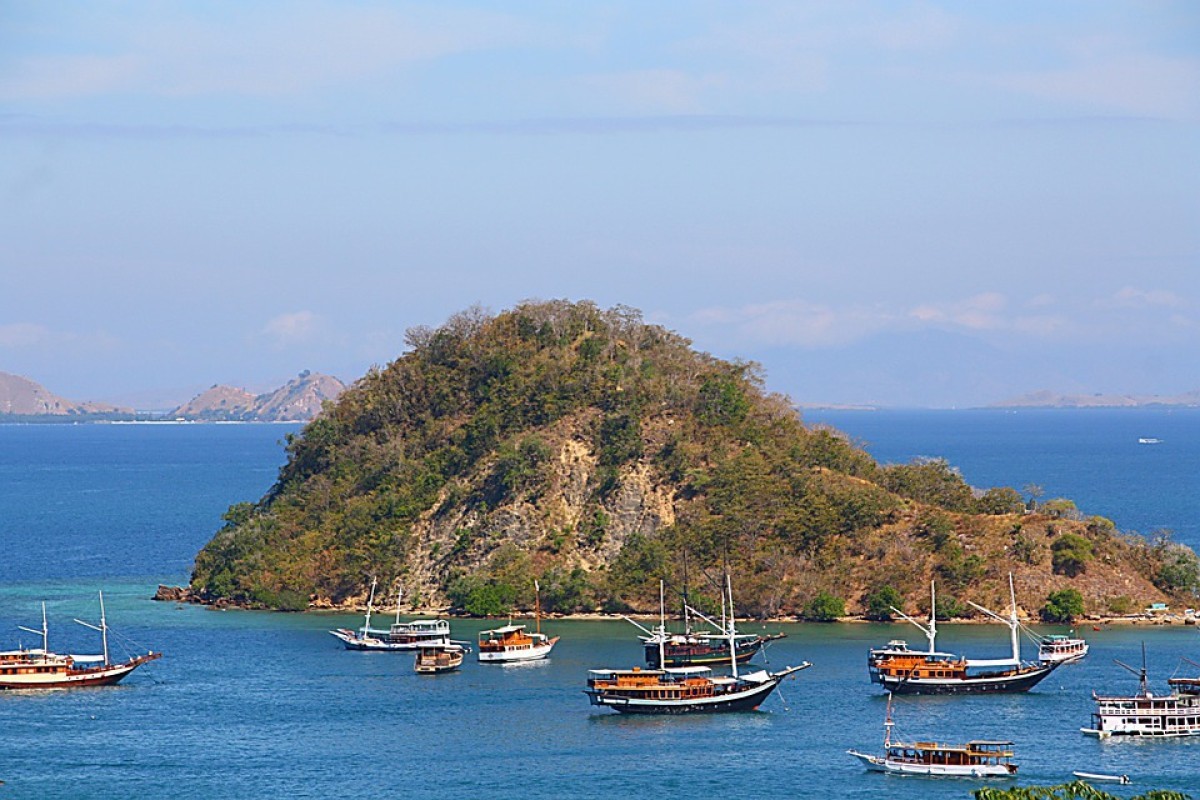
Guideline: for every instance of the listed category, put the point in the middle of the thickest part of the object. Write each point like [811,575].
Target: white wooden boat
[1097,777]
[512,643]
[400,637]
[1058,649]
[978,758]
[42,669]
[1145,714]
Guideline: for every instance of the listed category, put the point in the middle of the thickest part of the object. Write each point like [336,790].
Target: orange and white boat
[41,669]
[512,643]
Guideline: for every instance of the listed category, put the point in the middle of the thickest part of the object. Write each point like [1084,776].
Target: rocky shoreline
[184,594]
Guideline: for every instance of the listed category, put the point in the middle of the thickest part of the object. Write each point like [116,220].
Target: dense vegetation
[1076,790]
[596,453]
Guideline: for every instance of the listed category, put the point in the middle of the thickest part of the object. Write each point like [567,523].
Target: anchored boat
[978,758]
[1056,648]
[433,658]
[513,643]
[42,669]
[1146,714]
[401,636]
[684,690]
[904,671]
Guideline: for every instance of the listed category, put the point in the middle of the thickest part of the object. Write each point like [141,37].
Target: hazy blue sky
[925,203]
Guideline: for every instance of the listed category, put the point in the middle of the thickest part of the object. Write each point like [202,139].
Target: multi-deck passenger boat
[978,758]
[683,690]
[1059,649]
[511,643]
[42,669]
[401,636]
[1146,714]
[904,671]
[433,659]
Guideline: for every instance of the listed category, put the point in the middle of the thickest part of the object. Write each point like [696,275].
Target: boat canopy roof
[616,672]
[98,659]
[510,628]
[992,662]
[687,670]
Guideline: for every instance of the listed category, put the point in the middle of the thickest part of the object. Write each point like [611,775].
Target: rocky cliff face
[299,399]
[23,397]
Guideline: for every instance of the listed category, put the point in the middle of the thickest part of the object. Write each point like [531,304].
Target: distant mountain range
[1049,399]
[298,399]
[20,396]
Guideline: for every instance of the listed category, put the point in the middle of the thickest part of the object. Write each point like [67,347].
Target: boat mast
[103,628]
[45,631]
[662,627]
[370,601]
[887,726]
[931,633]
[399,598]
[1013,625]
[732,628]
[537,604]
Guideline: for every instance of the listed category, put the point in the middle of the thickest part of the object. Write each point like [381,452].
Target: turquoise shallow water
[248,705]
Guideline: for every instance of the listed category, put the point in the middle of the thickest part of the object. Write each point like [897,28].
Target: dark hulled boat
[684,690]
[904,671]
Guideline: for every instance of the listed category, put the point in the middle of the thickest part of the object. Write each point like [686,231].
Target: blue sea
[250,705]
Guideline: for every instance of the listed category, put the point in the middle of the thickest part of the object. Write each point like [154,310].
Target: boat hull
[75,678]
[352,641]
[880,764]
[983,684]
[745,700]
[512,656]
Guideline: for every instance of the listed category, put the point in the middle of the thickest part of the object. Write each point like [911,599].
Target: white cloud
[18,335]
[796,322]
[256,50]
[1138,84]
[297,327]
[1131,297]
[34,337]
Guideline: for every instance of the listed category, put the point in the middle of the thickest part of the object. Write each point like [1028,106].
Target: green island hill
[596,454]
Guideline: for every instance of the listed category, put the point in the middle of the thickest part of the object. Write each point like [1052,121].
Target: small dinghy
[1096,776]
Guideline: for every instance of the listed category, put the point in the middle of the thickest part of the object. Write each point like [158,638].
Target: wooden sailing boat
[684,690]
[511,643]
[435,658]
[978,758]
[903,671]
[42,669]
[664,648]
[401,636]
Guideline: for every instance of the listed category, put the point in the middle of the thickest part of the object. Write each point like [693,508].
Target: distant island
[594,453]
[300,399]
[1048,399]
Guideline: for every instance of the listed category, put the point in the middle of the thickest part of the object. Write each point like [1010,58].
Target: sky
[933,204]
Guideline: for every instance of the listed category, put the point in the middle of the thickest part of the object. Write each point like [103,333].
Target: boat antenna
[44,632]
[732,628]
